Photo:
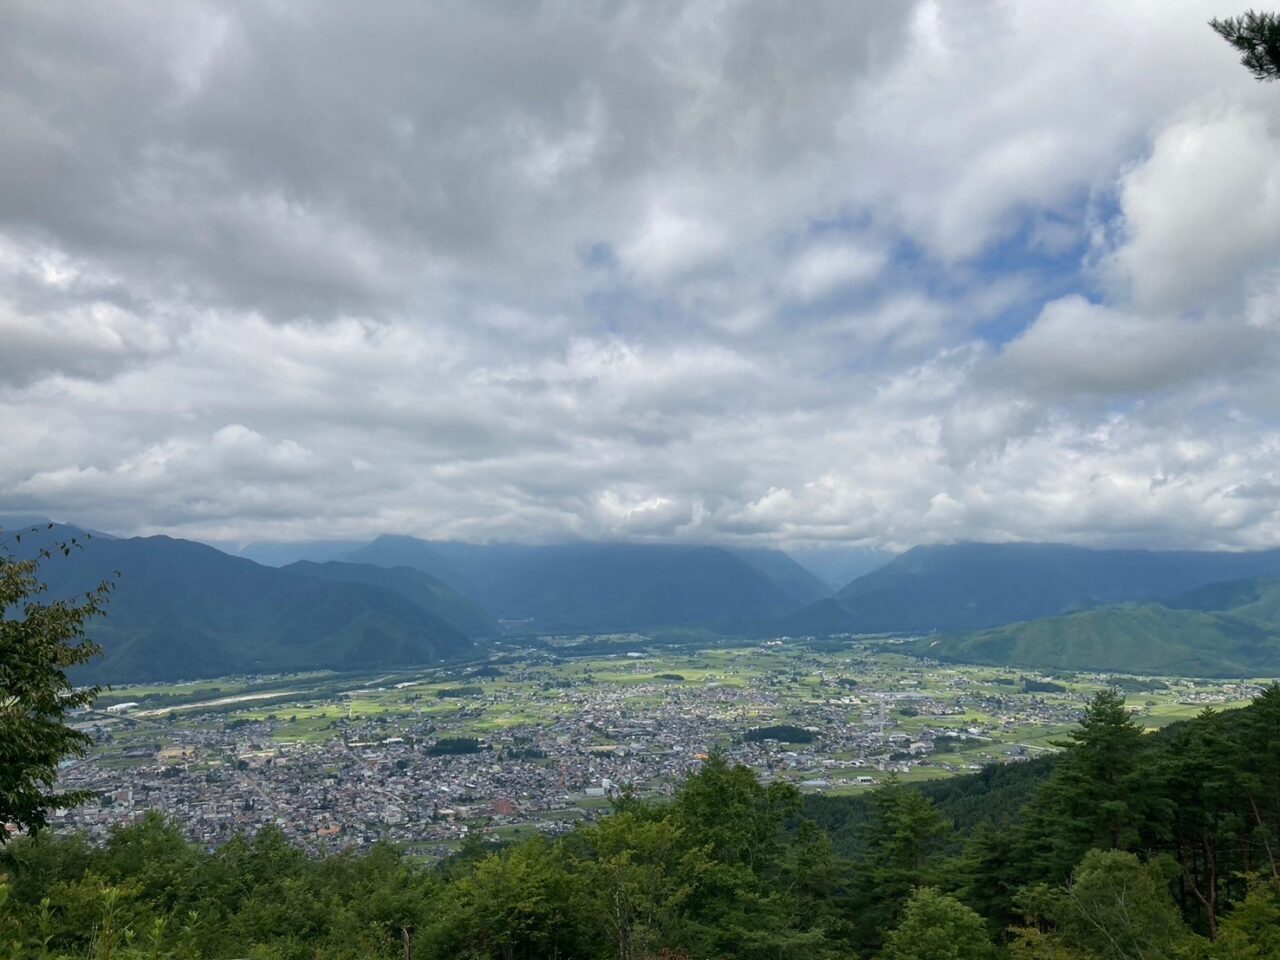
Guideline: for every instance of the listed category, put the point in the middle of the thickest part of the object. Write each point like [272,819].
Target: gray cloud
[737,271]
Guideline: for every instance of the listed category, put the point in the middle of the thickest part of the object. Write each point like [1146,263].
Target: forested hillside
[608,586]
[974,586]
[181,610]
[1124,846]
[427,591]
[1229,629]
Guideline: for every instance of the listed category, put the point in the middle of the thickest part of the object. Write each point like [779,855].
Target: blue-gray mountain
[590,587]
[973,586]
[185,610]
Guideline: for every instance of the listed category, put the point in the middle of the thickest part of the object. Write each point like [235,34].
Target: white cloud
[722,271]
[1079,346]
[1203,210]
[824,268]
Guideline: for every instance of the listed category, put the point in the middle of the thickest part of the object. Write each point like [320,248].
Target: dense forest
[1124,845]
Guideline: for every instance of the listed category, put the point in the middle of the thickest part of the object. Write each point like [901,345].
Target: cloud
[1202,210]
[823,269]
[1076,346]
[850,272]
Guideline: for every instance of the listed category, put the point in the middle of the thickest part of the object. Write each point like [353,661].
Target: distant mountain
[282,553]
[184,610]
[33,527]
[468,568]
[781,568]
[835,566]
[1223,630]
[432,595]
[601,587]
[973,586]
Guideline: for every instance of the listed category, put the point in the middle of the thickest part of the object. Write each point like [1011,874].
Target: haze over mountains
[970,586]
[183,609]
[600,587]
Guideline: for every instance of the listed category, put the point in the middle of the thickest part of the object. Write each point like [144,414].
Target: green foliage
[1041,686]
[782,732]
[1257,37]
[902,843]
[39,643]
[1099,795]
[938,927]
[459,693]
[1131,846]
[1252,931]
[453,745]
[736,817]
[184,610]
[1114,908]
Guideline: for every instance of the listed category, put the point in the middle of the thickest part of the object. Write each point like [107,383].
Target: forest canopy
[1124,846]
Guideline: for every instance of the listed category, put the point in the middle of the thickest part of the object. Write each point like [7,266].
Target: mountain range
[180,609]
[973,586]
[1222,630]
[183,609]
[593,587]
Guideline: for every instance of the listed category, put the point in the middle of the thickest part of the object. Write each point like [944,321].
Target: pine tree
[902,844]
[1101,795]
[1257,37]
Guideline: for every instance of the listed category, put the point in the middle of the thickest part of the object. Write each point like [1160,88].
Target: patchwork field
[540,735]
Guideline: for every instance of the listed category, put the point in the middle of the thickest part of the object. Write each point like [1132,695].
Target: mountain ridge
[1229,629]
[591,587]
[974,586]
[181,610]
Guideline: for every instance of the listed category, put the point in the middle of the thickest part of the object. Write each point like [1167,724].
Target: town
[538,739]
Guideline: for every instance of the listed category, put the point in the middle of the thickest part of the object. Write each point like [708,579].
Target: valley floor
[536,739]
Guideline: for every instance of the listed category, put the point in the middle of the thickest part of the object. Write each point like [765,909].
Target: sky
[842,273]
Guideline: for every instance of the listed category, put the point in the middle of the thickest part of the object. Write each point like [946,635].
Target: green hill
[429,593]
[185,610]
[1230,629]
[974,586]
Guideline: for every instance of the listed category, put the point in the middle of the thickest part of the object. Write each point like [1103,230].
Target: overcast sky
[875,273]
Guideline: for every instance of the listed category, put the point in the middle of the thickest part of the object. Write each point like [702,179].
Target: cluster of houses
[383,778]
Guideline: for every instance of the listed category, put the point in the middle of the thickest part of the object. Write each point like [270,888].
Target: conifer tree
[903,840]
[1257,37]
[1100,795]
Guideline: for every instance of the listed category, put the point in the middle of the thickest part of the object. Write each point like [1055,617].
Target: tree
[1261,777]
[38,643]
[521,905]
[739,818]
[902,841]
[1101,793]
[1252,932]
[1200,771]
[1114,908]
[938,927]
[637,879]
[1257,37]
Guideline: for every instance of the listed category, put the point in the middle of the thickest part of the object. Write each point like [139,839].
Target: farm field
[540,735]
